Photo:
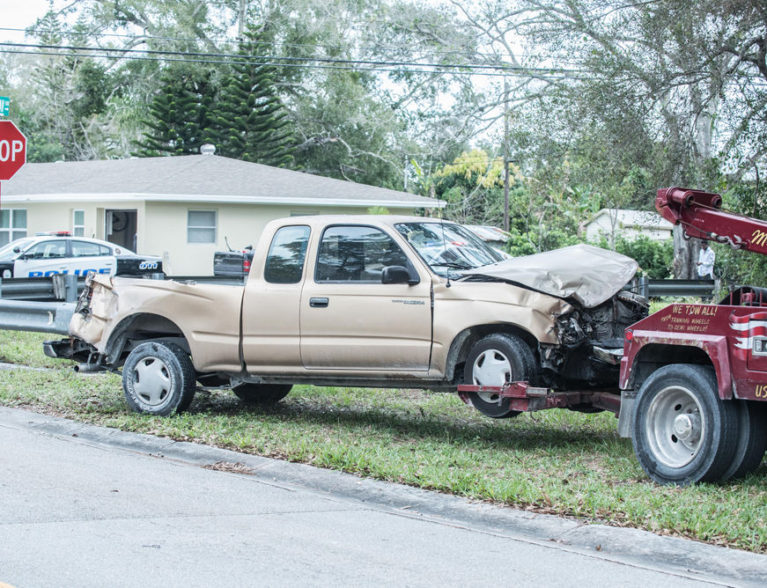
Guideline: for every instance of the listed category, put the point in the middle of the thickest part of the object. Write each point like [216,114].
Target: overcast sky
[19,14]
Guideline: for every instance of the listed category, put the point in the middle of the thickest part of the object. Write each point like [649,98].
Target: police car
[47,254]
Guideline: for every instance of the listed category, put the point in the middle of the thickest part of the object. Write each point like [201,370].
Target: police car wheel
[158,379]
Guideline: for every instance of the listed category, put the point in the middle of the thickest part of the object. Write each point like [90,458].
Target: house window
[201,226]
[78,223]
[13,224]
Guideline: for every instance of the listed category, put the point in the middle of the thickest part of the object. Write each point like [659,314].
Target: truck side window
[285,260]
[356,254]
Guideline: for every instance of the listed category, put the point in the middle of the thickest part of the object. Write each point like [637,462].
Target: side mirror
[399,274]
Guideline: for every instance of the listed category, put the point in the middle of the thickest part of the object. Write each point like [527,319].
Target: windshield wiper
[453,265]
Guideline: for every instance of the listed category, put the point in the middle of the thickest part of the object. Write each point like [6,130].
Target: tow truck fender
[647,348]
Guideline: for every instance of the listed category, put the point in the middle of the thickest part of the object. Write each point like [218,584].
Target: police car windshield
[8,252]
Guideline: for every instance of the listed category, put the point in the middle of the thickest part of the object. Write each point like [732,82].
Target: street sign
[5,106]
[13,149]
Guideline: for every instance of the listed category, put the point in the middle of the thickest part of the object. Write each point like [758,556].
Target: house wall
[607,226]
[162,226]
[59,216]
[165,231]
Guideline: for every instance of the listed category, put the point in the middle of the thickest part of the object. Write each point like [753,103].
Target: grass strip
[556,461]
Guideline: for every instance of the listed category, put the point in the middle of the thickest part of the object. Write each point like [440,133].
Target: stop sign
[13,149]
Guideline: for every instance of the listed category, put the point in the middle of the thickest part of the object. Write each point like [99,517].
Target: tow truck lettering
[695,309]
[759,238]
[760,391]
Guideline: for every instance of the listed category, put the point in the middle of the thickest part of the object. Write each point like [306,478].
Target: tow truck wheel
[158,379]
[496,360]
[752,439]
[683,432]
[261,393]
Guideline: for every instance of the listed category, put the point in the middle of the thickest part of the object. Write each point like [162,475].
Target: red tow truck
[693,378]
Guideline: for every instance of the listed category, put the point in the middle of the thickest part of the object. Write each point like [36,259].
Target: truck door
[350,319]
[270,323]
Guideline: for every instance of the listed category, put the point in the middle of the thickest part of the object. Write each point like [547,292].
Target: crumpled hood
[587,274]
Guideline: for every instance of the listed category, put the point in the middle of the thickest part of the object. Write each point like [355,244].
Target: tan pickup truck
[379,301]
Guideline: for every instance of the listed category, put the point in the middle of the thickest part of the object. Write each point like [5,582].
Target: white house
[182,208]
[629,224]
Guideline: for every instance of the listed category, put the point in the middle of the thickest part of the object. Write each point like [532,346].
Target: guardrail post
[644,286]
[70,281]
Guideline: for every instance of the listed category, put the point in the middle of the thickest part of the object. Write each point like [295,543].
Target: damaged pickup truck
[378,301]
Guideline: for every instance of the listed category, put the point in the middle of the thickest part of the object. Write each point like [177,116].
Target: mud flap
[626,415]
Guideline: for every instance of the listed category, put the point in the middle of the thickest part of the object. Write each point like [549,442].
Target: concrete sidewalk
[90,506]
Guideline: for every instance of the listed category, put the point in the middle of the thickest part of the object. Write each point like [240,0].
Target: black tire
[683,432]
[261,393]
[752,439]
[158,379]
[495,360]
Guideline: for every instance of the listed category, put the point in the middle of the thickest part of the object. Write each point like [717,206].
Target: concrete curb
[690,559]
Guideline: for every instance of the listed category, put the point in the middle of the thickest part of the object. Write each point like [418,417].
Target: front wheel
[158,379]
[683,432]
[496,360]
[261,393]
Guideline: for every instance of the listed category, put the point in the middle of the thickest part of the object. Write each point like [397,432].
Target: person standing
[706,258]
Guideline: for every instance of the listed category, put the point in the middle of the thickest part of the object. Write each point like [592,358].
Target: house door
[120,227]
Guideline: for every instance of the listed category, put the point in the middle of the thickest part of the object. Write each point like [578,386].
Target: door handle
[318,302]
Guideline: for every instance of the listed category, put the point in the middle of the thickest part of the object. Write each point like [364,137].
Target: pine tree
[180,114]
[251,123]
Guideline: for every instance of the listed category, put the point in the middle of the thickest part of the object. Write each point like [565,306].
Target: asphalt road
[88,506]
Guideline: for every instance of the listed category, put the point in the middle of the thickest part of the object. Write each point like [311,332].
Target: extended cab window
[285,260]
[356,254]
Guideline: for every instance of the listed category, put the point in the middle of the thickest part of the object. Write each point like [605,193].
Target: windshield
[448,248]
[7,252]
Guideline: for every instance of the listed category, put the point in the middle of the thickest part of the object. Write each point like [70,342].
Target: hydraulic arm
[701,216]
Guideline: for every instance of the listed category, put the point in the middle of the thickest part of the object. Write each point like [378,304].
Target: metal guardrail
[58,287]
[43,317]
[679,288]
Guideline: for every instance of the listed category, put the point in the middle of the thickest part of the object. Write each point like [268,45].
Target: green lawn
[552,461]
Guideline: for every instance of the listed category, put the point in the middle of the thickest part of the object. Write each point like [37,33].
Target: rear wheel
[496,360]
[683,432]
[752,439]
[158,379]
[261,393]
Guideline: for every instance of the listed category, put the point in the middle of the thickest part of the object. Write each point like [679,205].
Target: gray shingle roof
[197,178]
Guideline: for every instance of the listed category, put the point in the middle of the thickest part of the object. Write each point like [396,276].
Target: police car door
[42,259]
[91,257]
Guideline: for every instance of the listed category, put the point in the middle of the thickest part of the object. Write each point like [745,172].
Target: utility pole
[505,155]
[241,23]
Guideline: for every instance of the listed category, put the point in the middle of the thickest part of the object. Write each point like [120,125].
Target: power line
[208,57]
[260,63]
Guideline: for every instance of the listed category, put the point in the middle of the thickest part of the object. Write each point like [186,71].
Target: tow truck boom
[700,214]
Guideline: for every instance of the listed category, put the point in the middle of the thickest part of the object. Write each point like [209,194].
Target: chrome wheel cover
[491,368]
[675,426]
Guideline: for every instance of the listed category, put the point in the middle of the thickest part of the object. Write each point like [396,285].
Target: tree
[181,114]
[251,122]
